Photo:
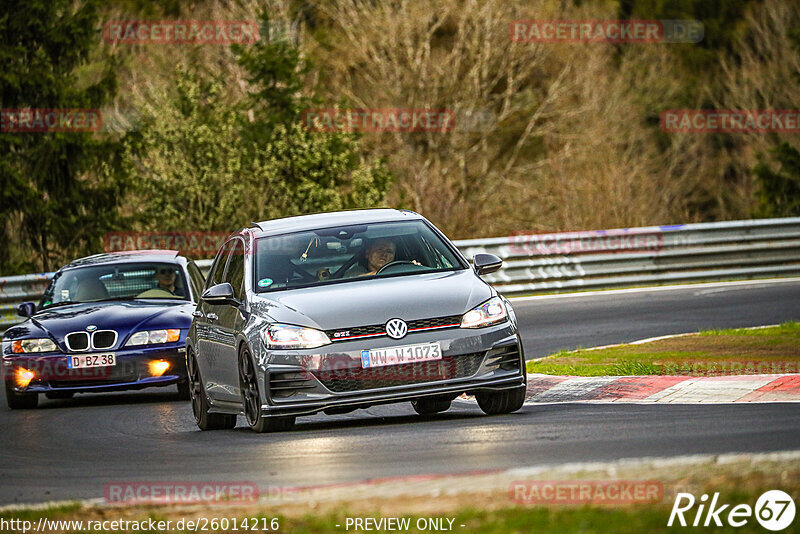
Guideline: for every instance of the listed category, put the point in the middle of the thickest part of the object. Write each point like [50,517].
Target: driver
[377,254]
[165,278]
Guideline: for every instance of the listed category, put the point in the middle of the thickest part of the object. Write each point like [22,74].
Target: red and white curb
[664,389]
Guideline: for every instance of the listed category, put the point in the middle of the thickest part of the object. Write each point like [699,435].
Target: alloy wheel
[249,386]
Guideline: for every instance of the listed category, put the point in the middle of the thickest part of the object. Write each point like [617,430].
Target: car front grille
[99,340]
[343,334]
[104,339]
[77,341]
[357,379]
[450,320]
[123,372]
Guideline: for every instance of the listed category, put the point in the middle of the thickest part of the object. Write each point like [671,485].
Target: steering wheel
[395,263]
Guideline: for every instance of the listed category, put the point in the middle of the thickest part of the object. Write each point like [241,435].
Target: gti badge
[91,328]
[396,328]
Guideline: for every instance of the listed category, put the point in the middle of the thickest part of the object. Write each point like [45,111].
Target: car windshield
[350,253]
[120,281]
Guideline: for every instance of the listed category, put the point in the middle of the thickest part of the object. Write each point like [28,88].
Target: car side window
[215,274]
[195,279]
[234,272]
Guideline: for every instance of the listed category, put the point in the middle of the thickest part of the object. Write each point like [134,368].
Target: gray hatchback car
[339,311]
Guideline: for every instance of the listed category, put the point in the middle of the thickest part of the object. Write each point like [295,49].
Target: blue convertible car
[106,322]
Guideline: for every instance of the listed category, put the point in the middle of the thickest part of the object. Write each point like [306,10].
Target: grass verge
[768,350]
[475,503]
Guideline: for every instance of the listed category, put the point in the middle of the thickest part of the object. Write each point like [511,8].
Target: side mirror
[220,294]
[486,263]
[26,309]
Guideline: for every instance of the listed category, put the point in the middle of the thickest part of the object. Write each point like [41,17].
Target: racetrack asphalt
[70,449]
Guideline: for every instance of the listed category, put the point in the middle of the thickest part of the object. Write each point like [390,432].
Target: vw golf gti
[339,311]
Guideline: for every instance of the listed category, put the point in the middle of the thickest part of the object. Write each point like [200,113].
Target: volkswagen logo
[91,328]
[396,328]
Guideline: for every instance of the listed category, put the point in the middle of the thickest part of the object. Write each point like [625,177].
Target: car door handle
[198,314]
[212,317]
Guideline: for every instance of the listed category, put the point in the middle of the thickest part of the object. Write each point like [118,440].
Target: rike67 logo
[774,510]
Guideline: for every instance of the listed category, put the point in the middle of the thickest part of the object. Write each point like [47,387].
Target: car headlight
[491,312]
[154,337]
[286,336]
[20,346]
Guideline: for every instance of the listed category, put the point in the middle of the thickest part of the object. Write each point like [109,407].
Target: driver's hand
[415,262]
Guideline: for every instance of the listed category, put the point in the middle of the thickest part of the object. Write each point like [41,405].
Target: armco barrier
[640,256]
[536,263]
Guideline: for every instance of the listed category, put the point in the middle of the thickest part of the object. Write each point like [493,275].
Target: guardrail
[537,263]
[641,256]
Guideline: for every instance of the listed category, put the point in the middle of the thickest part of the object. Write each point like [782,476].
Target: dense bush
[550,136]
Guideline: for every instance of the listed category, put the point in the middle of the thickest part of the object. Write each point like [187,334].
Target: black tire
[431,405]
[197,394]
[20,401]
[498,402]
[59,394]
[184,390]
[251,400]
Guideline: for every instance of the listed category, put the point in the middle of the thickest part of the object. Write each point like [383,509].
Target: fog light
[24,377]
[158,367]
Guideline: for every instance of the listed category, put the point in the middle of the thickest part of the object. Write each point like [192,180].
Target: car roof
[128,256]
[326,220]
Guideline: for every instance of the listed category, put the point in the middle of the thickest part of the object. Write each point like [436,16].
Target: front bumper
[130,372]
[307,382]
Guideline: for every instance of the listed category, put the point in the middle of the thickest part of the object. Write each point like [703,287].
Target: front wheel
[20,401]
[251,400]
[504,401]
[197,393]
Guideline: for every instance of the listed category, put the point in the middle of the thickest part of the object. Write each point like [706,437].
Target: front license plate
[399,355]
[83,361]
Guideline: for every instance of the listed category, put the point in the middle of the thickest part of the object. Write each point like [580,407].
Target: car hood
[123,316]
[370,302]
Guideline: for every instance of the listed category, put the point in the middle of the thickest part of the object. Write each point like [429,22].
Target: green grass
[716,352]
[737,483]
[516,519]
